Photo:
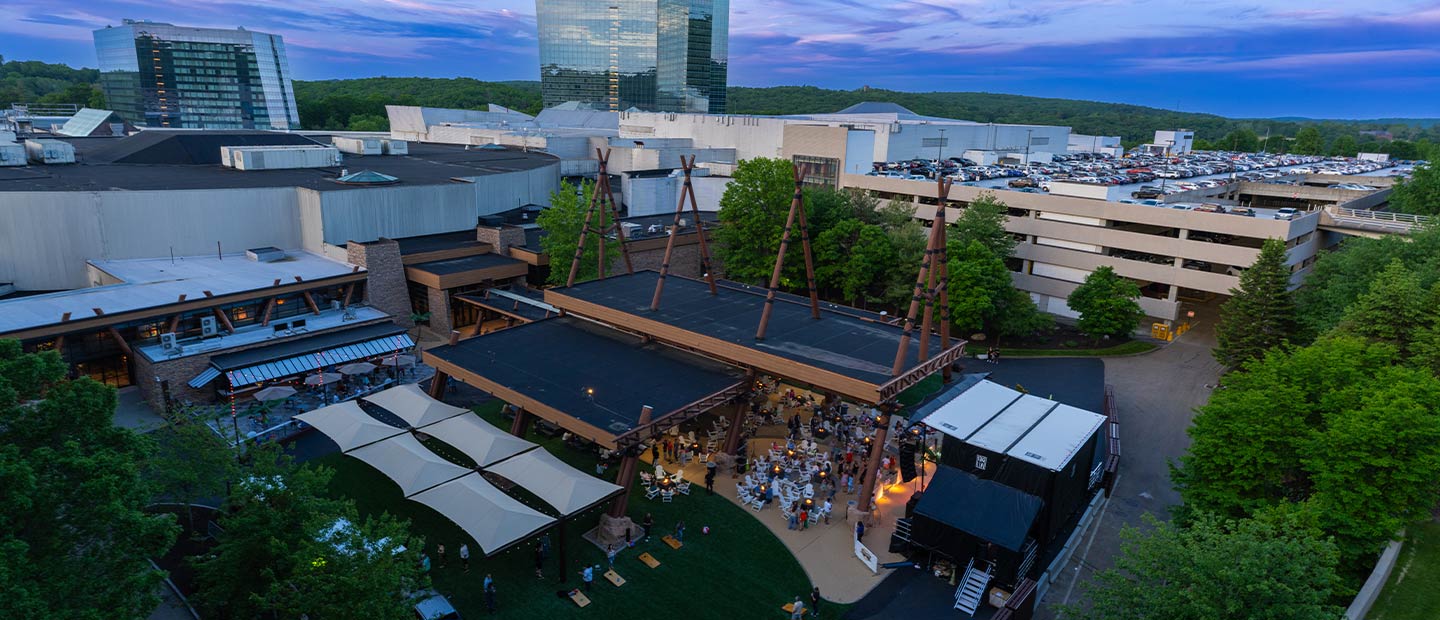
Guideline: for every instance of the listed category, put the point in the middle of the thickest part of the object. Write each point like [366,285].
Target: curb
[1376,582]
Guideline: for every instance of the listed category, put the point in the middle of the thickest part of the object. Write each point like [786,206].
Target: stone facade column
[501,238]
[439,311]
[385,287]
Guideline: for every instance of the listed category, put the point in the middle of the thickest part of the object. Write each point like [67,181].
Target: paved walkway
[826,552]
[1156,395]
[134,413]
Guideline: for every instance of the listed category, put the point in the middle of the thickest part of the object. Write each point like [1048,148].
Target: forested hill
[360,104]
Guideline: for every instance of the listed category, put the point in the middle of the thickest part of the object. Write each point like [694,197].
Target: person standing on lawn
[440,553]
[815,601]
[540,562]
[588,576]
[489,594]
[680,530]
[465,556]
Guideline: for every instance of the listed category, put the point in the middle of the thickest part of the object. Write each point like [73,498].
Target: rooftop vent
[266,254]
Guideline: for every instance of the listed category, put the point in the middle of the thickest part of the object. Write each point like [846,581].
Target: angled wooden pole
[805,247]
[915,298]
[608,199]
[705,269]
[796,204]
[584,230]
[942,289]
[674,232]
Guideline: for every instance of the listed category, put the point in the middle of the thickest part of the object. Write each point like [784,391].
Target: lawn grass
[1128,348]
[1410,594]
[739,570]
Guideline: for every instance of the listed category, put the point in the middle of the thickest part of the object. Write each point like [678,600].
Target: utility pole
[940,148]
[1027,150]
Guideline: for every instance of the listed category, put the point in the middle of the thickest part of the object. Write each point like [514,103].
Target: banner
[867,557]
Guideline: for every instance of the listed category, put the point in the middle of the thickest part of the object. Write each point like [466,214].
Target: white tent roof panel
[487,514]
[969,411]
[1056,439]
[478,439]
[413,405]
[568,489]
[1012,423]
[409,463]
[348,425]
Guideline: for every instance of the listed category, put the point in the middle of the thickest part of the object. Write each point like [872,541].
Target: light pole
[940,148]
[1027,150]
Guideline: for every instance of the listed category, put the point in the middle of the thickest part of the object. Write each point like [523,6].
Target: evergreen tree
[1107,304]
[1394,310]
[1260,314]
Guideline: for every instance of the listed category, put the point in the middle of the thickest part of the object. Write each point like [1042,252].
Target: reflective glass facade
[655,55]
[160,75]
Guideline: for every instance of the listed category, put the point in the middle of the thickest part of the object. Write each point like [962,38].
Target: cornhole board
[615,578]
[789,608]
[579,597]
[674,544]
[649,560]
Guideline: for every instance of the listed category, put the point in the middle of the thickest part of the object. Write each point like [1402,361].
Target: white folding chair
[683,487]
[667,496]
[756,503]
[651,492]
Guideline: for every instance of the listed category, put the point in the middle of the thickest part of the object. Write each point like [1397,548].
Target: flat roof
[426,164]
[155,282]
[311,344]
[839,343]
[993,417]
[440,241]
[555,362]
[464,264]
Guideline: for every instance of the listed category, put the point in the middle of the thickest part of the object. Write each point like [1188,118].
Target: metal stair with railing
[972,587]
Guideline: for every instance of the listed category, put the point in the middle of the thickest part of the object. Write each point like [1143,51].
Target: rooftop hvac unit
[12,154]
[357,146]
[395,147]
[208,327]
[266,254]
[45,151]
[170,344]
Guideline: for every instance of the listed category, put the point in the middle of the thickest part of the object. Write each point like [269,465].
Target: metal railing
[1384,219]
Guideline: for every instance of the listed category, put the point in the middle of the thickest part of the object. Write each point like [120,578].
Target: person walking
[540,562]
[655,452]
[489,594]
[680,530]
[647,523]
[610,556]
[465,556]
[815,601]
[710,481]
[859,530]
[440,554]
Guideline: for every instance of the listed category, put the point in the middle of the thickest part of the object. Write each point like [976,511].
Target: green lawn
[1411,593]
[740,570]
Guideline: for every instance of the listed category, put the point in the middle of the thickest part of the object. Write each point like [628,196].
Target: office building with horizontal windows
[651,55]
[161,75]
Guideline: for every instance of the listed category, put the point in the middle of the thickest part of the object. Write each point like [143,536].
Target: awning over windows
[305,355]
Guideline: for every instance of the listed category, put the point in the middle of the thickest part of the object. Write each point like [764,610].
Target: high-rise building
[162,75]
[655,55]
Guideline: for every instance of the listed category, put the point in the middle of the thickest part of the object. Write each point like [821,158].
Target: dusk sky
[1256,58]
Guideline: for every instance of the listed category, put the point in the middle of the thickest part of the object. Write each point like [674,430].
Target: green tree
[1309,141]
[289,549]
[984,220]
[1260,315]
[1216,569]
[1338,278]
[562,222]
[1344,146]
[192,463]
[1243,140]
[856,259]
[1107,304]
[1338,432]
[978,283]
[1394,310]
[908,238]
[1420,194]
[74,540]
[752,216]
[368,122]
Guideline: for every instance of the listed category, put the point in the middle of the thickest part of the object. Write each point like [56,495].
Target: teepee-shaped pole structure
[797,213]
[686,191]
[601,199]
[931,290]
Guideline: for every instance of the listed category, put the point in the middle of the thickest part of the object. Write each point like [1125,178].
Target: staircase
[972,587]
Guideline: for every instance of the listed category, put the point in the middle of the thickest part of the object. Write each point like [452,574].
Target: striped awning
[312,362]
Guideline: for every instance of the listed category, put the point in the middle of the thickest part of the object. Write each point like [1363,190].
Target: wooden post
[628,464]
[60,340]
[872,466]
[584,231]
[521,425]
[604,200]
[732,434]
[943,285]
[686,191]
[349,289]
[220,314]
[919,295]
[797,204]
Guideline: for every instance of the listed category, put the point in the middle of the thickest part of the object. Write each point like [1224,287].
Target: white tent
[477,439]
[348,425]
[487,514]
[1027,427]
[568,489]
[972,409]
[1056,439]
[413,405]
[410,464]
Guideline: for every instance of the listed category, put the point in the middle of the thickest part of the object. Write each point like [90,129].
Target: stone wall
[385,288]
[439,312]
[501,238]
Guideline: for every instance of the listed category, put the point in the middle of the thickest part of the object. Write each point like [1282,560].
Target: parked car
[1210,207]
[434,606]
[1242,211]
[1287,213]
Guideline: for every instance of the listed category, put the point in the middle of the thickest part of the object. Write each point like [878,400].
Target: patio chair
[683,487]
[757,503]
[667,496]
[651,492]
[711,445]
[647,479]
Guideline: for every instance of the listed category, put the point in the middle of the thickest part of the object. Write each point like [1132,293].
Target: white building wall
[750,136]
[859,151]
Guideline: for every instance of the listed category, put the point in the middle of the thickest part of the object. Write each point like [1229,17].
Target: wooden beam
[220,314]
[60,340]
[124,346]
[309,301]
[349,289]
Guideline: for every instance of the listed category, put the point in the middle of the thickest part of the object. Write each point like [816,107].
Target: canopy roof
[982,508]
[492,518]
[410,403]
[348,425]
[568,489]
[477,439]
[411,465]
[993,417]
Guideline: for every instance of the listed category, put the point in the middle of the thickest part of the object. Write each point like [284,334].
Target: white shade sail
[477,439]
[411,465]
[348,425]
[568,489]
[492,518]
[413,405]
[1056,439]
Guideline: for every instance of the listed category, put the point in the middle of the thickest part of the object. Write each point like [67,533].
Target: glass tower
[161,75]
[655,55]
